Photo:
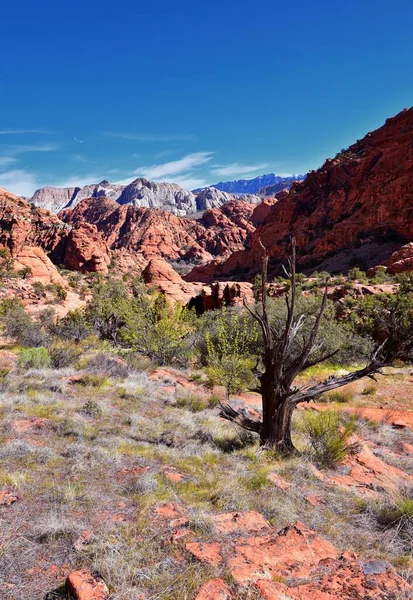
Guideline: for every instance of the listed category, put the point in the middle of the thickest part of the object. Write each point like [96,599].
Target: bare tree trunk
[275,432]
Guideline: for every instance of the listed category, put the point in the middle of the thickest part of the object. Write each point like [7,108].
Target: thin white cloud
[79,158]
[6,161]
[25,131]
[190,183]
[151,137]
[79,181]
[175,167]
[19,182]
[15,149]
[237,169]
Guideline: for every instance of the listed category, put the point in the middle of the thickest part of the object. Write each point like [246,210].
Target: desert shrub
[192,402]
[25,272]
[159,329]
[74,326]
[233,440]
[19,325]
[94,380]
[229,346]
[109,364]
[369,390]
[342,396]
[393,513]
[34,358]
[58,291]
[63,354]
[91,409]
[356,274]
[327,436]
[110,310]
[381,276]
[6,261]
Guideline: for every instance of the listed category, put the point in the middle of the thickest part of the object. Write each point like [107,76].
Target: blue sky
[193,92]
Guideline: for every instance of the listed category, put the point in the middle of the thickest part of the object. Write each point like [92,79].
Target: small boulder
[85,585]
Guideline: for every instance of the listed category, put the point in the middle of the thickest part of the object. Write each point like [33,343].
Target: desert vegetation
[115,458]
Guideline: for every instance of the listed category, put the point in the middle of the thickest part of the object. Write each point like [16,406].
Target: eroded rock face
[363,195]
[158,233]
[86,251]
[160,275]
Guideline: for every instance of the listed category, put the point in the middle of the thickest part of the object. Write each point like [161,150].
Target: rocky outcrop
[293,563]
[362,196]
[32,235]
[400,261]
[160,275]
[40,267]
[86,251]
[154,232]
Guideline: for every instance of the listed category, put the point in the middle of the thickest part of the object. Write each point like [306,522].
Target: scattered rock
[240,522]
[215,589]
[279,482]
[84,585]
[6,498]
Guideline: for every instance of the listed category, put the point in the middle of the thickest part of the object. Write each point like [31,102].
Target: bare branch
[240,417]
[310,393]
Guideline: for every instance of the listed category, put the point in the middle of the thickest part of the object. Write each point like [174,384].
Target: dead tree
[280,396]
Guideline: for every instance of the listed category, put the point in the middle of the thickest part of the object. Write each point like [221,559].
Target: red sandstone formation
[86,251]
[160,275]
[28,232]
[158,233]
[363,195]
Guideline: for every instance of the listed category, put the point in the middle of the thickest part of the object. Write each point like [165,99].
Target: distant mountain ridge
[140,192]
[257,184]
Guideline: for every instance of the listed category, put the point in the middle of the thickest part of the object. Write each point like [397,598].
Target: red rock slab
[7,499]
[279,482]
[240,522]
[207,552]
[84,585]
[407,448]
[395,417]
[215,589]
[295,549]
[172,514]
[369,472]
[173,474]
[30,424]
[341,579]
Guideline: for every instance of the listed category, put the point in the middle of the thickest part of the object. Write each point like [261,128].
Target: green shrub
[369,390]
[19,325]
[91,409]
[192,402]
[63,354]
[339,396]
[327,436]
[96,381]
[397,513]
[34,358]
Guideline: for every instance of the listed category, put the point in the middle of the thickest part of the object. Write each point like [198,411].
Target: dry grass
[102,470]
